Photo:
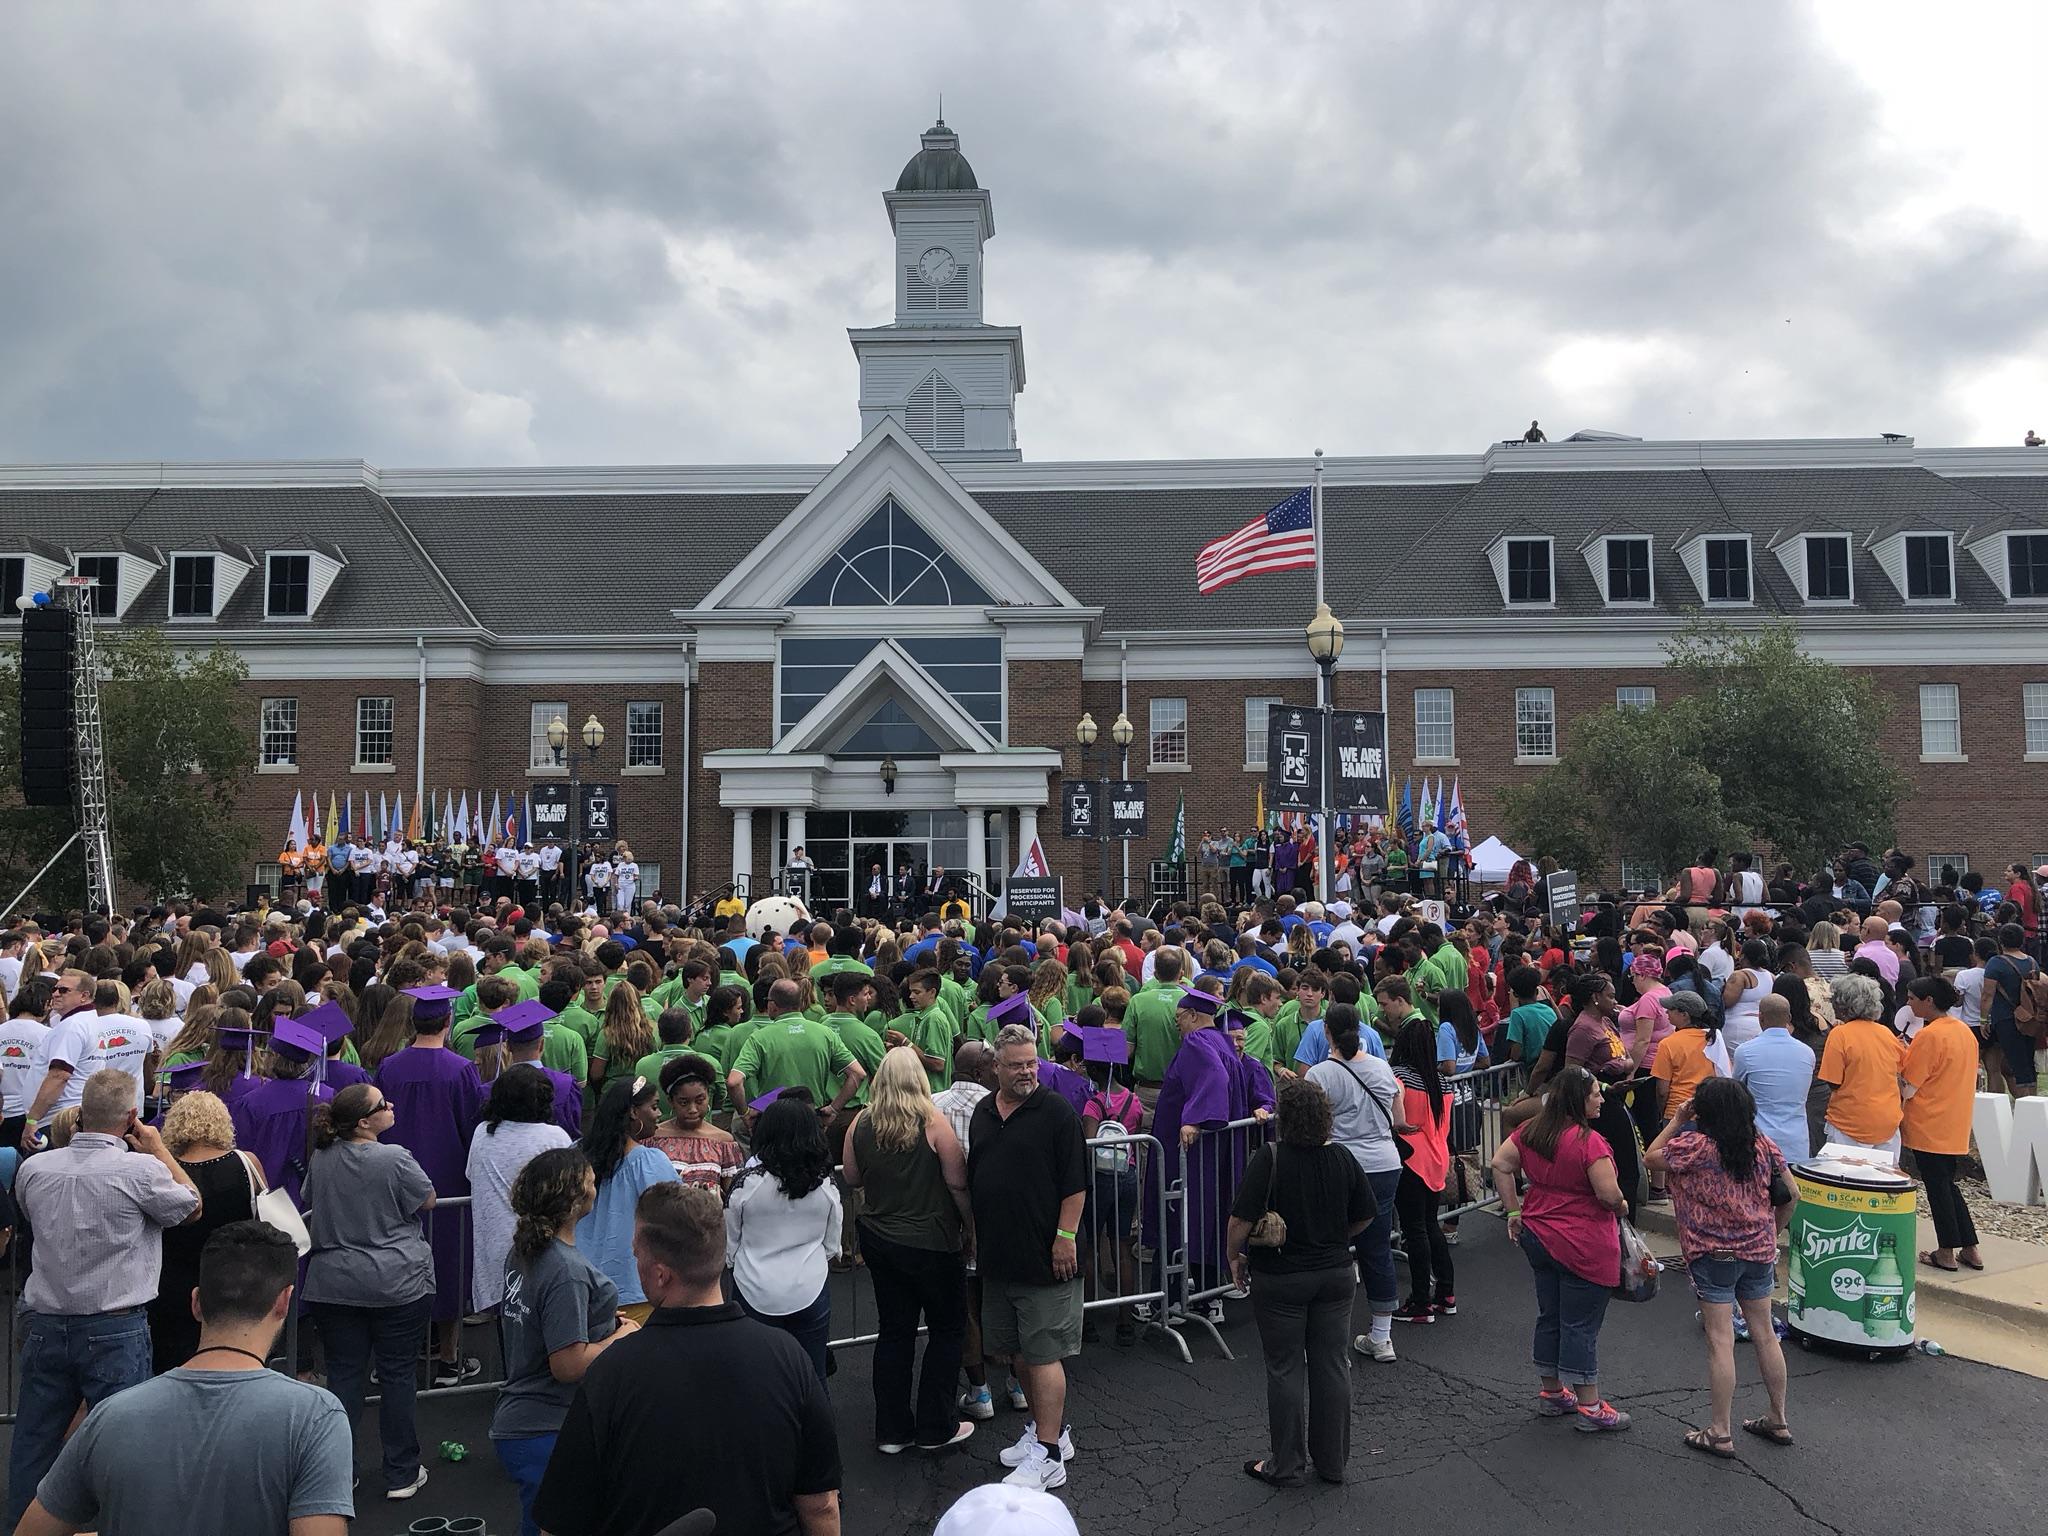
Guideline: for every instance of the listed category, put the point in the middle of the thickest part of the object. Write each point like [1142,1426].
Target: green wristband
[1062,1232]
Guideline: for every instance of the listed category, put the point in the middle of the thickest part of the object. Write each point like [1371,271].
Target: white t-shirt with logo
[22,1063]
[120,1041]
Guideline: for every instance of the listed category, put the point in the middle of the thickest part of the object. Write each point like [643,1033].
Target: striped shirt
[957,1104]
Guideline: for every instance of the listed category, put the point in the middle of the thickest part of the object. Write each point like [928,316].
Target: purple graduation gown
[568,1102]
[437,1098]
[1070,1085]
[1205,1085]
[270,1122]
[344,1074]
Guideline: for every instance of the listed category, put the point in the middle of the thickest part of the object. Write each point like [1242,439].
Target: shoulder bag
[274,1208]
[1402,1145]
[1270,1231]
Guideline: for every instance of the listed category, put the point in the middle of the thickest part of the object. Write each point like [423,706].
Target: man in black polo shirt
[761,1453]
[1027,1177]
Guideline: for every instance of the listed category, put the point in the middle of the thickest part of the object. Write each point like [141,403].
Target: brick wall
[735,708]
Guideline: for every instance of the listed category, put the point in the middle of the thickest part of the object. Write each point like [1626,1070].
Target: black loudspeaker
[49,649]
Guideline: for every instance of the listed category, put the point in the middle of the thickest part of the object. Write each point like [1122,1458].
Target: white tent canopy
[1492,860]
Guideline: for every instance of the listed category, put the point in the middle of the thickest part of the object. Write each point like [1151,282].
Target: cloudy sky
[509,231]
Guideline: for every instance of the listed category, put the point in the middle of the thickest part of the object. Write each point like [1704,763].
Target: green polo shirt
[934,1034]
[833,965]
[862,1042]
[1149,1026]
[586,1024]
[1287,1029]
[650,1065]
[793,1052]
[1259,1044]
[562,1050]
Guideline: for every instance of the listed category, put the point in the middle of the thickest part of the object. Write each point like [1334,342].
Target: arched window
[935,416]
[890,562]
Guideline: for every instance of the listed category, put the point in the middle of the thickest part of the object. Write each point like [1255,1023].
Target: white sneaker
[977,1404]
[1018,1401]
[405,1493]
[1215,1312]
[1381,1351]
[1027,1446]
[1038,1471]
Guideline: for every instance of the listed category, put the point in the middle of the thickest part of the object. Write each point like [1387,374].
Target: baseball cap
[1340,910]
[996,1509]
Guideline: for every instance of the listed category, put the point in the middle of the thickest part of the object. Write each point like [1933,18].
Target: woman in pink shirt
[1566,1226]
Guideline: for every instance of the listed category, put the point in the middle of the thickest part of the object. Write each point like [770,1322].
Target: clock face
[937,266]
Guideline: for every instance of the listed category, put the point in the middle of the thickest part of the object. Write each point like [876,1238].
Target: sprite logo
[1858,1240]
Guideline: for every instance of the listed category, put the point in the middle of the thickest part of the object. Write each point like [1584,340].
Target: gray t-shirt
[205,1453]
[363,1202]
[1356,1122]
[557,1300]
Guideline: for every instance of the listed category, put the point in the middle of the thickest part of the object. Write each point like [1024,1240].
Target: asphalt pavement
[1446,1433]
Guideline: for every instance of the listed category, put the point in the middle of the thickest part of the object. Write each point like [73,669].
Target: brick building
[760,642]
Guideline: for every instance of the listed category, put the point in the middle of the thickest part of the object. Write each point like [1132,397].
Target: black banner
[1080,814]
[1127,813]
[1561,896]
[1294,758]
[600,812]
[1032,900]
[550,812]
[1358,762]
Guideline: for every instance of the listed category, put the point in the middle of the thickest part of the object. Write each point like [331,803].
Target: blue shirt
[605,1235]
[1448,1049]
[928,945]
[1315,1043]
[1256,963]
[1778,1071]
[739,948]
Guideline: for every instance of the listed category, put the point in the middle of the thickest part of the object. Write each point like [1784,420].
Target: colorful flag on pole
[1426,818]
[1033,865]
[497,816]
[510,826]
[1461,834]
[1440,809]
[1281,539]
[397,827]
[347,806]
[1177,850]
[526,820]
[1259,810]
[412,827]
[1405,821]
[297,831]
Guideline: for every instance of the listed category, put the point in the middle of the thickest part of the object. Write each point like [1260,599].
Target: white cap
[1340,910]
[996,1509]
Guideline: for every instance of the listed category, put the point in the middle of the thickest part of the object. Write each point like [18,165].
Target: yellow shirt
[1862,1059]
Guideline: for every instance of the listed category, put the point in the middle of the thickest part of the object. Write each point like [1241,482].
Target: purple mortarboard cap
[1196,1001]
[432,1002]
[1105,1042]
[298,1038]
[523,1021]
[238,1039]
[765,1100]
[331,1019]
[186,1075]
[1014,1009]
[488,1035]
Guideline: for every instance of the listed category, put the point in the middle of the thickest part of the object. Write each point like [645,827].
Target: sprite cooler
[1852,1254]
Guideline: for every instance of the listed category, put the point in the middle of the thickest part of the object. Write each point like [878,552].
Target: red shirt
[1576,1230]
[2022,895]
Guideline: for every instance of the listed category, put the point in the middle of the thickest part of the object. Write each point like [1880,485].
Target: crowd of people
[384,874]
[587,1125]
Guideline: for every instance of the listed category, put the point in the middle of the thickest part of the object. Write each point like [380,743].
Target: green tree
[1768,748]
[177,730]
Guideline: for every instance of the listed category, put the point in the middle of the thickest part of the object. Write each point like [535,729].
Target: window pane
[891,560]
[1640,875]
[279,733]
[538,753]
[1957,863]
[1727,570]
[191,586]
[1535,722]
[1635,698]
[1827,570]
[13,581]
[106,570]
[1927,573]
[374,730]
[643,734]
[288,586]
[1169,731]
[1255,730]
[2035,696]
[2027,555]
[1628,570]
[1941,730]
[1435,730]
[1528,570]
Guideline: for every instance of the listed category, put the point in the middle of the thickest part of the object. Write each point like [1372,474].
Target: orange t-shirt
[1941,1064]
[1682,1062]
[1862,1059]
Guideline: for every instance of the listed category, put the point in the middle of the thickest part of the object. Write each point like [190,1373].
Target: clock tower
[949,378]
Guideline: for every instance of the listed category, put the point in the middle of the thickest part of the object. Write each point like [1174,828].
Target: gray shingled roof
[385,586]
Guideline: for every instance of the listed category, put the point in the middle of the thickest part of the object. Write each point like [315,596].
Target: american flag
[1283,539]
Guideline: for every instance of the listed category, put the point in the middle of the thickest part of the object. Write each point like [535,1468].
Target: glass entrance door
[895,861]
[846,845]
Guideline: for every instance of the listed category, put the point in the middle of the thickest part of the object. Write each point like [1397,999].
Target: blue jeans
[1569,1311]
[1374,1246]
[810,1327]
[65,1361]
[394,1335]
[524,1460]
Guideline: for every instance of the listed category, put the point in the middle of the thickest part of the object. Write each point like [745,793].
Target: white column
[1027,827]
[977,843]
[796,833]
[743,849]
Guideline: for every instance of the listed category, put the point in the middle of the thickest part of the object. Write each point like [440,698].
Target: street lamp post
[1120,733]
[558,740]
[1325,644]
[1087,733]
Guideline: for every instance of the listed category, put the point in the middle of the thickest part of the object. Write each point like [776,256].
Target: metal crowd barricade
[1210,1171]
[1477,1101]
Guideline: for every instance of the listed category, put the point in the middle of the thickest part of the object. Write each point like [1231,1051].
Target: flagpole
[1324,698]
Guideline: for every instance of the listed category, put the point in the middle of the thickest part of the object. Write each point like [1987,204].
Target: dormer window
[287,586]
[2026,556]
[191,586]
[1930,572]
[1628,570]
[1529,572]
[1727,569]
[105,570]
[1827,568]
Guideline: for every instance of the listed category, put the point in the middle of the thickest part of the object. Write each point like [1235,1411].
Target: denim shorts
[1731,1280]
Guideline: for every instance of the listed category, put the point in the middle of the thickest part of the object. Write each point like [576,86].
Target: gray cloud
[516,232]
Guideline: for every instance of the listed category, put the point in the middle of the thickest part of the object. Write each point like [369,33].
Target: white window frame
[1507,567]
[1649,570]
[287,758]
[1931,868]
[648,746]
[1633,867]
[540,757]
[112,602]
[1948,543]
[1941,728]
[1806,543]
[287,554]
[212,587]
[1165,732]
[2034,715]
[1645,696]
[368,708]
[1255,730]
[1448,697]
[1707,543]
[1526,702]
[2012,591]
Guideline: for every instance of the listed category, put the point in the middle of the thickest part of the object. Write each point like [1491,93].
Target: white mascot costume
[781,913]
